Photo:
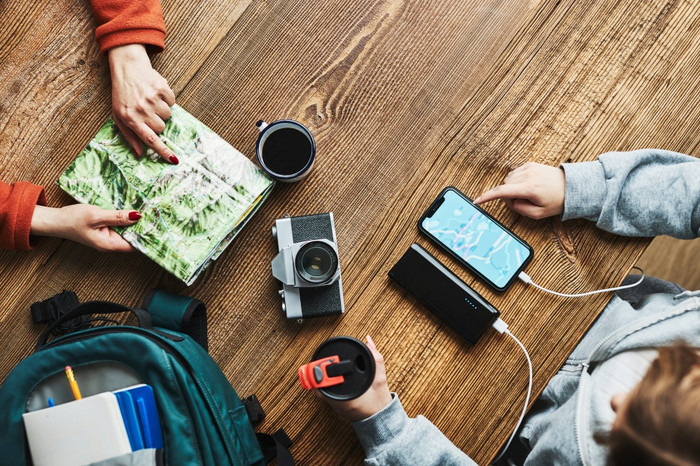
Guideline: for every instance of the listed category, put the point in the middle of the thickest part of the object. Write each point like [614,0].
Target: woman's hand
[85,224]
[376,398]
[141,99]
[533,190]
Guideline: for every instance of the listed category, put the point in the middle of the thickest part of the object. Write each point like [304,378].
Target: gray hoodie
[641,193]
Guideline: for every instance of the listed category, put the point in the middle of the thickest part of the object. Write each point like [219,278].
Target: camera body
[308,266]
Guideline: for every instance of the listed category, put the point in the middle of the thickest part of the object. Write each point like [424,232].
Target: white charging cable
[502,327]
[526,278]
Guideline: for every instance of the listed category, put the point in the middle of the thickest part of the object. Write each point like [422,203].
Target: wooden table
[403,98]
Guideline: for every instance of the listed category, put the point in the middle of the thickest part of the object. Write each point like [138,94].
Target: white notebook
[77,432]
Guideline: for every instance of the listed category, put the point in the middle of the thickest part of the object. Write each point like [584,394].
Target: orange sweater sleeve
[122,22]
[17,202]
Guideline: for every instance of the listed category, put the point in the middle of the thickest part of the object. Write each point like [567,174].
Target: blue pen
[51,405]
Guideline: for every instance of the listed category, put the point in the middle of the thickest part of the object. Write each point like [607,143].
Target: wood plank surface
[673,260]
[403,98]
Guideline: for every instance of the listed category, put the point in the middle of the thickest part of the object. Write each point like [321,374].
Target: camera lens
[316,262]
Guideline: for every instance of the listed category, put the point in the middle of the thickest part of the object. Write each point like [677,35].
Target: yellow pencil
[73,383]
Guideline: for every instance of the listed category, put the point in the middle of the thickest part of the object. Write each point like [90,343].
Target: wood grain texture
[403,98]
[673,260]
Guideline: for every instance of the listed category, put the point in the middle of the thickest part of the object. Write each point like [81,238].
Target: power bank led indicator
[444,293]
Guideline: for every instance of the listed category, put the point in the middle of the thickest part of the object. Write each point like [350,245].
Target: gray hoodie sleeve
[646,192]
[390,437]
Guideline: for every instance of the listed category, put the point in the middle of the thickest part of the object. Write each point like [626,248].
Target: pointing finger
[505,191]
[151,139]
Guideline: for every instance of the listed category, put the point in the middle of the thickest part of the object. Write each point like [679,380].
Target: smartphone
[488,249]
[456,303]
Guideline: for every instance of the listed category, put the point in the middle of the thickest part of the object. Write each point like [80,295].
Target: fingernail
[370,341]
[174,159]
[476,201]
[134,215]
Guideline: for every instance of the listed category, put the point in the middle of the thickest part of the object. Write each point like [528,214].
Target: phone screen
[474,238]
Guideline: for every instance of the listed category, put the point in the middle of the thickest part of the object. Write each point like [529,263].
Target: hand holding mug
[376,398]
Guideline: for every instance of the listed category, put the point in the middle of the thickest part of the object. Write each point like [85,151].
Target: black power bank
[444,293]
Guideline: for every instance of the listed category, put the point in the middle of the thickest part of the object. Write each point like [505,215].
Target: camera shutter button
[284,307]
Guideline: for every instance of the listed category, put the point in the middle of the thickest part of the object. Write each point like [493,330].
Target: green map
[190,211]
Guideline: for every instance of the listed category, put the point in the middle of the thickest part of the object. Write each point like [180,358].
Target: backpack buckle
[253,409]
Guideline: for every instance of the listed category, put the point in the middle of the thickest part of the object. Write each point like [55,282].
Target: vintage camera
[307,266]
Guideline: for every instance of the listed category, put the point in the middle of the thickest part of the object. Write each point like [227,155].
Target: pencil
[73,383]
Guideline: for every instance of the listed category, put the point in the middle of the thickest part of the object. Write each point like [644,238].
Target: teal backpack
[203,420]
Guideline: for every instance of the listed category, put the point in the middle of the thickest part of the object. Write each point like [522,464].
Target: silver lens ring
[316,262]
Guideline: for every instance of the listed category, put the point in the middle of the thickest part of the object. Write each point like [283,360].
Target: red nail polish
[134,215]
[174,159]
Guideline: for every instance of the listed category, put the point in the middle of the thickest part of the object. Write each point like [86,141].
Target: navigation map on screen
[475,238]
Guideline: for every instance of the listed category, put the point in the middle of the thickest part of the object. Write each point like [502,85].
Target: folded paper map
[190,211]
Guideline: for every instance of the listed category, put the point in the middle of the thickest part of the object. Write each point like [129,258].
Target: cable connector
[500,325]
[525,277]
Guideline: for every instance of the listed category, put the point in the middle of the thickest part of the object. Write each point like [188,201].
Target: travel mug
[342,368]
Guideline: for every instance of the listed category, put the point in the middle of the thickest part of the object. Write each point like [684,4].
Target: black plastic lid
[360,378]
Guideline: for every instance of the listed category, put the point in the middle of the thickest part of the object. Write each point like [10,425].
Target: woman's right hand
[533,190]
[141,99]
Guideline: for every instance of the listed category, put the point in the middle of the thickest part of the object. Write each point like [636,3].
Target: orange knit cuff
[28,198]
[153,39]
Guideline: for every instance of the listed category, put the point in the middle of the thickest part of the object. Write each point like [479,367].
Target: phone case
[457,257]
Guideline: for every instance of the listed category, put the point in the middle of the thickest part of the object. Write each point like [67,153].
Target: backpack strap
[53,308]
[276,446]
[179,313]
[94,307]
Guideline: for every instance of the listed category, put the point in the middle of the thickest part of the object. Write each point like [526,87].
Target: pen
[73,383]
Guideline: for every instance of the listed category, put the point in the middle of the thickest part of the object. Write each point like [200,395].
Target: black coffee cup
[359,377]
[286,150]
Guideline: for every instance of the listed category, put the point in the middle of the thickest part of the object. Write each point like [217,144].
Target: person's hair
[661,416]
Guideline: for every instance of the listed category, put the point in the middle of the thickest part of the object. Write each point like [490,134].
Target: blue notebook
[131,420]
[140,414]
